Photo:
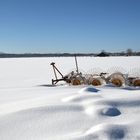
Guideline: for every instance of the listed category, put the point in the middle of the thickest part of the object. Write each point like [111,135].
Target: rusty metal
[56,80]
[77,78]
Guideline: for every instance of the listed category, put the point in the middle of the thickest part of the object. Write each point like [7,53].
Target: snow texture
[32,109]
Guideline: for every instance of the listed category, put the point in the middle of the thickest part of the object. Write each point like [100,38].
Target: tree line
[128,52]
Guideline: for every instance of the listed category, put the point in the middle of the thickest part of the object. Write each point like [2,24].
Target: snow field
[32,109]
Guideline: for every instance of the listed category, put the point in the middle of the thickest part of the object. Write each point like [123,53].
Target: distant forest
[103,53]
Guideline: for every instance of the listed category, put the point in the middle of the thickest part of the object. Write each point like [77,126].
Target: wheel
[136,82]
[117,79]
[75,82]
[117,82]
[96,82]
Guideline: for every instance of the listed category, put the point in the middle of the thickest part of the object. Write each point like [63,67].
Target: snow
[32,109]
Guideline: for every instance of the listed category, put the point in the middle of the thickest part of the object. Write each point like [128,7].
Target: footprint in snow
[107,131]
[89,90]
[111,111]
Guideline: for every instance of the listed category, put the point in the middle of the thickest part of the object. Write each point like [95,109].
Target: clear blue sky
[51,26]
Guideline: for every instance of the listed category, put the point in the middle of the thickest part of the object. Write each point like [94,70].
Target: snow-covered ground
[32,109]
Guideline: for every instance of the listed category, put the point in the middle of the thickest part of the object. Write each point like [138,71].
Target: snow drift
[32,109]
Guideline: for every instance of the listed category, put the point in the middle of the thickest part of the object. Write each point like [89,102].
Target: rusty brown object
[76,82]
[118,79]
[96,82]
[117,82]
[56,80]
[136,82]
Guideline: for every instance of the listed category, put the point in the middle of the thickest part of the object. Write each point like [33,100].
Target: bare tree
[129,52]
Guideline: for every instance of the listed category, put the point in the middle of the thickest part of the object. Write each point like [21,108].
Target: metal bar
[55,68]
[77,70]
[58,71]
[54,72]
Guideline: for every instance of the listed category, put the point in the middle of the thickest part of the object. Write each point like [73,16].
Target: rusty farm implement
[76,77]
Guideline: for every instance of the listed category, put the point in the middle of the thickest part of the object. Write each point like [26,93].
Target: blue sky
[54,26]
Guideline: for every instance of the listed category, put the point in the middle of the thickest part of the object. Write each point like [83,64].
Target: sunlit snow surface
[32,109]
